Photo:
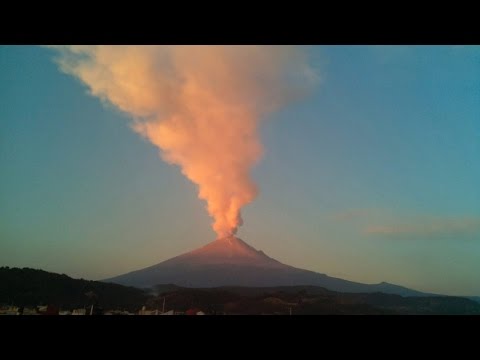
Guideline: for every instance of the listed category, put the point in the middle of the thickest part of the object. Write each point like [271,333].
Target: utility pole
[163,308]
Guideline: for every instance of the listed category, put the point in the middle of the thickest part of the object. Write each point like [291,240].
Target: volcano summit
[232,262]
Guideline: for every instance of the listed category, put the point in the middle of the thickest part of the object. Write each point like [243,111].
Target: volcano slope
[232,262]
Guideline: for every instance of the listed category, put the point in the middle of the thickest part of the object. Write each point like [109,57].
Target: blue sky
[372,177]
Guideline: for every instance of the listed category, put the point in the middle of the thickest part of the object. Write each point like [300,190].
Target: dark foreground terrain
[29,287]
[306,300]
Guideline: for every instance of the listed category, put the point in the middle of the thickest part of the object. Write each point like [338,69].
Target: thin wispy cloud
[387,223]
[358,214]
[351,214]
[386,54]
[425,228]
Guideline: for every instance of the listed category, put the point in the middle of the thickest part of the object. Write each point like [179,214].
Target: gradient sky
[373,177]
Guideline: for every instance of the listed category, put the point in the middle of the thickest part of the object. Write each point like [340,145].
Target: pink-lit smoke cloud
[200,105]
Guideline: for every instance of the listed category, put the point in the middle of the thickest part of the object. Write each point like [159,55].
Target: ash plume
[200,105]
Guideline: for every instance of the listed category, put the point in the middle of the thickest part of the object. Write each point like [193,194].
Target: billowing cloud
[200,105]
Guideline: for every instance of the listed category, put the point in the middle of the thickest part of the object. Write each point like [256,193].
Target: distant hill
[29,287]
[231,261]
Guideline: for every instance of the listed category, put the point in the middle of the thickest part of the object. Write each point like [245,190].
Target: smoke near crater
[200,105]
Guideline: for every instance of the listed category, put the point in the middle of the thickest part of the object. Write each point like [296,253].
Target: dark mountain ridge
[30,287]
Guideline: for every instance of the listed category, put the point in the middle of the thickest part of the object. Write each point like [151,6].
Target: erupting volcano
[202,107]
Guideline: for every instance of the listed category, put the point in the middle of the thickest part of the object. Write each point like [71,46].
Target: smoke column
[200,105]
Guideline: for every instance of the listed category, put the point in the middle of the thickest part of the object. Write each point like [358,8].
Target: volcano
[232,262]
